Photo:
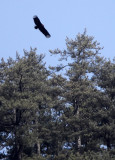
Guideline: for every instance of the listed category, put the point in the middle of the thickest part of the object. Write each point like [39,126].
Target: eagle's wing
[44,31]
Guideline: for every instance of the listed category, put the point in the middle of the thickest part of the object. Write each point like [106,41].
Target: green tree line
[47,115]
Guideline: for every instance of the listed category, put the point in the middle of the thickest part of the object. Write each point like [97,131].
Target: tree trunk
[79,138]
[38,148]
[79,142]
[108,144]
[17,151]
[18,146]
[77,113]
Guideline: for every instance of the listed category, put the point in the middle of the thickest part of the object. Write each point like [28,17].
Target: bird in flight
[40,26]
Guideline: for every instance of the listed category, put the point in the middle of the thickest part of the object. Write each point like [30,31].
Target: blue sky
[61,18]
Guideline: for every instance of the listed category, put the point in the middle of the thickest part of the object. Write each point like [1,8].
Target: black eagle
[40,26]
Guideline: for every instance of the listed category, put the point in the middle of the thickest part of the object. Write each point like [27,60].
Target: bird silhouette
[40,26]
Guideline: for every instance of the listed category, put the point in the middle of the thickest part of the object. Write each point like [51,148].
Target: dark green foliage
[24,100]
[103,155]
[105,79]
[49,116]
[87,117]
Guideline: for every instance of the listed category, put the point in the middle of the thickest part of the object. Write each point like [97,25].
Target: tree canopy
[47,115]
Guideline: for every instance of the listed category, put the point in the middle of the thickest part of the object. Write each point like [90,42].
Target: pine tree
[48,115]
[79,91]
[23,101]
[104,76]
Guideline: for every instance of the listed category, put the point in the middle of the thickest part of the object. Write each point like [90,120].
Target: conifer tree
[80,93]
[104,76]
[47,115]
[23,102]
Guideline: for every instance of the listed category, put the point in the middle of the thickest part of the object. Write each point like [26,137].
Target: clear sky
[61,18]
